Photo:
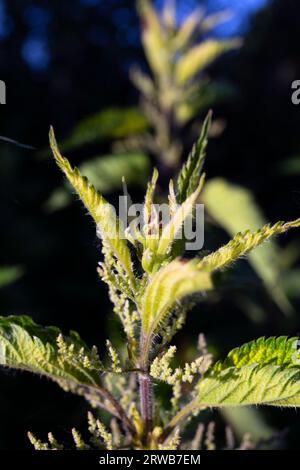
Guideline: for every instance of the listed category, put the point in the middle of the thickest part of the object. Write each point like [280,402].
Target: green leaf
[234,208]
[170,232]
[200,56]
[114,123]
[291,165]
[45,351]
[265,371]
[9,274]
[189,176]
[166,288]
[151,223]
[242,244]
[106,172]
[149,197]
[103,213]
[262,351]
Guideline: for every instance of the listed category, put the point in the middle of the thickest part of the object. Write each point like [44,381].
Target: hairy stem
[146,400]
[145,346]
[146,390]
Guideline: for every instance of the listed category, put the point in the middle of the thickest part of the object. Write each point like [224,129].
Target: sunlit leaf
[105,173]
[262,372]
[168,286]
[242,244]
[189,176]
[150,221]
[174,228]
[27,346]
[149,198]
[103,213]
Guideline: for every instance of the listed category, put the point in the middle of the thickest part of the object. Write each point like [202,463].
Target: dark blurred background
[65,60]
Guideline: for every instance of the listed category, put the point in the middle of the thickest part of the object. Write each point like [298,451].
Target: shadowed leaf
[235,209]
[9,274]
[113,123]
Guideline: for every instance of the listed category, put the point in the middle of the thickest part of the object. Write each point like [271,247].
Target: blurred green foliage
[111,123]
[260,129]
[234,208]
[9,274]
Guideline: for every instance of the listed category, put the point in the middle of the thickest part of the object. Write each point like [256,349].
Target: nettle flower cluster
[152,287]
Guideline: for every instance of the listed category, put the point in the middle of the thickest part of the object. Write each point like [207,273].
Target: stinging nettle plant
[152,286]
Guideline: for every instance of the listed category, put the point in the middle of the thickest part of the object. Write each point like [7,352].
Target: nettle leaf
[189,176]
[172,232]
[164,245]
[151,223]
[44,350]
[200,56]
[105,172]
[264,351]
[242,244]
[91,198]
[166,288]
[103,213]
[149,197]
[265,371]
